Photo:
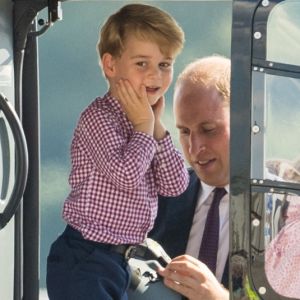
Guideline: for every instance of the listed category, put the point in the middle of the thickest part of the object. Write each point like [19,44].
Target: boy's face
[142,63]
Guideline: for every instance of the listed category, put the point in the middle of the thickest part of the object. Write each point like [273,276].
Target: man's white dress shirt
[204,201]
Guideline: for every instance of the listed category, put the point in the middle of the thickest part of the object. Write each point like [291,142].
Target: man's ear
[108,65]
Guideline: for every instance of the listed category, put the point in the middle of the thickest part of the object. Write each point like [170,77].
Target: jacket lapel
[179,217]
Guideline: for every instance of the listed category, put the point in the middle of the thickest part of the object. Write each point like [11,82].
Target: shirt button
[162,165]
[158,148]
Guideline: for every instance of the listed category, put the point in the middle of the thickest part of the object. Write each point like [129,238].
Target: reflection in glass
[282,240]
[283,38]
[282,147]
[284,170]
[275,149]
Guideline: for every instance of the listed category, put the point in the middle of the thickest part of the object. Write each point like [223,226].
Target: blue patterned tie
[210,240]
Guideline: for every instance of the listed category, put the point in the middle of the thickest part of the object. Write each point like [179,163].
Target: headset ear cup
[146,284]
[135,278]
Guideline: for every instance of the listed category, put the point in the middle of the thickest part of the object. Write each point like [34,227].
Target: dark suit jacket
[174,221]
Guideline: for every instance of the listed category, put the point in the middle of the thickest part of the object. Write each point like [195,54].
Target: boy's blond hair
[210,71]
[145,22]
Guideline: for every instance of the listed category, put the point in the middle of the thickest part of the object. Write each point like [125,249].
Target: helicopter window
[283,33]
[275,153]
[274,240]
[282,127]
[276,126]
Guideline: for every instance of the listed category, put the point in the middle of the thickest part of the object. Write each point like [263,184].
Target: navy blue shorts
[78,269]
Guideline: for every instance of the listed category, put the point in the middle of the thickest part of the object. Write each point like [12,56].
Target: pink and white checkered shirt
[117,174]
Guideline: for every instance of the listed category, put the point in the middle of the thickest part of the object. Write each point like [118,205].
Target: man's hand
[191,278]
[136,106]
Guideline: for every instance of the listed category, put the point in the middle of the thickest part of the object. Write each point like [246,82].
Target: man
[201,109]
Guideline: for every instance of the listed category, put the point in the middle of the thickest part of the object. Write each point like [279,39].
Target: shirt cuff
[165,144]
[147,140]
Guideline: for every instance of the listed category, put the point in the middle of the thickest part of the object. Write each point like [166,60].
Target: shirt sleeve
[122,158]
[171,175]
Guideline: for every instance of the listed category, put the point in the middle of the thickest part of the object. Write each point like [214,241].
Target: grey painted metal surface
[7,88]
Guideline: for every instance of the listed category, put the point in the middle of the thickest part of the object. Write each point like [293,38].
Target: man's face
[143,64]
[203,122]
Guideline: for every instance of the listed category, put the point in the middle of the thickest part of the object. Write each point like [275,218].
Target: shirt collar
[113,102]
[206,191]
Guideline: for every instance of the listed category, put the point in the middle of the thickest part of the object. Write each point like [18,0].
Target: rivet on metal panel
[262,290]
[255,129]
[257,35]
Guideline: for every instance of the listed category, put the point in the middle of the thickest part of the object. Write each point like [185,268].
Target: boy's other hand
[136,106]
[158,110]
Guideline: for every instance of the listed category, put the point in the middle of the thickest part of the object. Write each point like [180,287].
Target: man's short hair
[210,71]
[145,22]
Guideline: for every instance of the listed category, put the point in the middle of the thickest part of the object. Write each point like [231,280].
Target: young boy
[122,158]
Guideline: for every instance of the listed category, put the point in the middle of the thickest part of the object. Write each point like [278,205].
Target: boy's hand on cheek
[136,106]
[158,109]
